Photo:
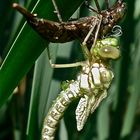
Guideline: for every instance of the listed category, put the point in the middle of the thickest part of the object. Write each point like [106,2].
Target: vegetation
[22,113]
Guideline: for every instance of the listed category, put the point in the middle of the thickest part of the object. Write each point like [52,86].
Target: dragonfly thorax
[94,78]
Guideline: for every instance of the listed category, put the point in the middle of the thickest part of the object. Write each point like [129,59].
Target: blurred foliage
[22,113]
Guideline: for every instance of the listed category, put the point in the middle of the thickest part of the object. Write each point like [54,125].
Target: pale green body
[91,87]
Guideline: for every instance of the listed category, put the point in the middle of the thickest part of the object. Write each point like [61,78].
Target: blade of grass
[63,131]
[103,121]
[134,91]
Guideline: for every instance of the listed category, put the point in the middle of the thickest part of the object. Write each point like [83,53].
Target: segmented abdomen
[57,110]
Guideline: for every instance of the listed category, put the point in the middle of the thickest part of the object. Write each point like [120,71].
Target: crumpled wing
[87,106]
[98,100]
[83,110]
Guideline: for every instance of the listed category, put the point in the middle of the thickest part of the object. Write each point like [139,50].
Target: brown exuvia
[61,32]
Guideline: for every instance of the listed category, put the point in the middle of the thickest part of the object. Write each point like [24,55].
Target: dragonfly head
[107,48]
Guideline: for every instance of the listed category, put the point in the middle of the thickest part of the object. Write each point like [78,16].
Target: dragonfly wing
[98,100]
[83,110]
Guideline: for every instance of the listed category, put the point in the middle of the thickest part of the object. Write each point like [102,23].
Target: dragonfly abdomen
[58,108]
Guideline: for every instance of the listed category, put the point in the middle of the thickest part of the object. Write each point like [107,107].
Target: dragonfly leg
[57,11]
[90,7]
[97,30]
[84,47]
[90,32]
[107,4]
[98,6]
[76,64]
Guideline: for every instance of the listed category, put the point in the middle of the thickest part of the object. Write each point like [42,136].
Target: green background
[22,113]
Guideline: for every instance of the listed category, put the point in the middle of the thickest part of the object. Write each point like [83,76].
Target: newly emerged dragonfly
[60,32]
[95,78]
[90,86]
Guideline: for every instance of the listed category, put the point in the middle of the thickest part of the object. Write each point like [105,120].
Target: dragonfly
[61,32]
[92,83]
[90,86]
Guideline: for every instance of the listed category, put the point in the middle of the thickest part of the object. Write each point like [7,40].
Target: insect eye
[109,52]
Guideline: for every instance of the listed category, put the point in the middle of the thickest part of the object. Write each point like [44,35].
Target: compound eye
[109,52]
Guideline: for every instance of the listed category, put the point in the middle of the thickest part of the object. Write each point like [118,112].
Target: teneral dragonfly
[90,86]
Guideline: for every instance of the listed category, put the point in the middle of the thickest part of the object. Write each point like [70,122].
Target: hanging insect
[60,32]
[91,86]
[95,78]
